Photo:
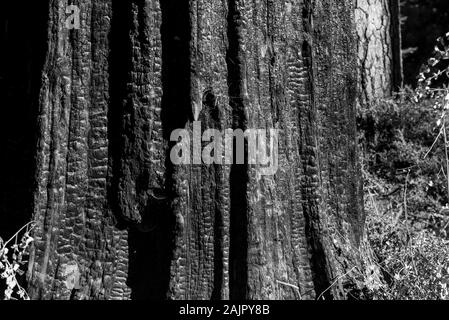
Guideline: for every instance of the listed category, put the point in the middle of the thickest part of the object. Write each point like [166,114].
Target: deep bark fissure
[176,82]
[119,61]
[238,251]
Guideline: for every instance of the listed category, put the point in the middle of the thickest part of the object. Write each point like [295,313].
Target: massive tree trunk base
[116,219]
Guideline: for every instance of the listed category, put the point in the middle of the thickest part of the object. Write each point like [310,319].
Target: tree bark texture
[379,48]
[117,220]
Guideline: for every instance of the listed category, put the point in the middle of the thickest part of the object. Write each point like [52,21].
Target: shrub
[415,265]
[405,167]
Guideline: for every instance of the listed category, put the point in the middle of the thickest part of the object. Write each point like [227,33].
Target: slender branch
[29,223]
[446,154]
[434,143]
[291,286]
[336,280]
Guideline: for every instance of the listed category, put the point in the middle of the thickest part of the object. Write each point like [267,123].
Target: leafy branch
[11,260]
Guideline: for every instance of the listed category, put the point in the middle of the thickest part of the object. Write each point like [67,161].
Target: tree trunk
[116,219]
[379,48]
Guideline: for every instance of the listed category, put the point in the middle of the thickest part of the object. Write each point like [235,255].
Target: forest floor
[406,196]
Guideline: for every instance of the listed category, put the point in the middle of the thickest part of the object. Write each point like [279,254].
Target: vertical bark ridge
[203,239]
[340,222]
[301,95]
[266,215]
[76,240]
[141,171]
[210,105]
[310,184]
[267,63]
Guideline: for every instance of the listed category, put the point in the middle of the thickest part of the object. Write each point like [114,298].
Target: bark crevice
[238,251]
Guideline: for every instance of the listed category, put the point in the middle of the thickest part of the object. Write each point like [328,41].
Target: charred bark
[116,219]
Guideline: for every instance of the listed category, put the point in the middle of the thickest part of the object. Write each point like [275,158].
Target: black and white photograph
[253,151]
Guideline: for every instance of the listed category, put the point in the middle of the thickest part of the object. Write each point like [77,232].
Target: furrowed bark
[74,231]
[112,206]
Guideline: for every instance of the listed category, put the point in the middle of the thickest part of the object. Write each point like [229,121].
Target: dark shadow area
[238,251]
[176,65]
[23,31]
[23,38]
[120,64]
[422,23]
[150,255]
